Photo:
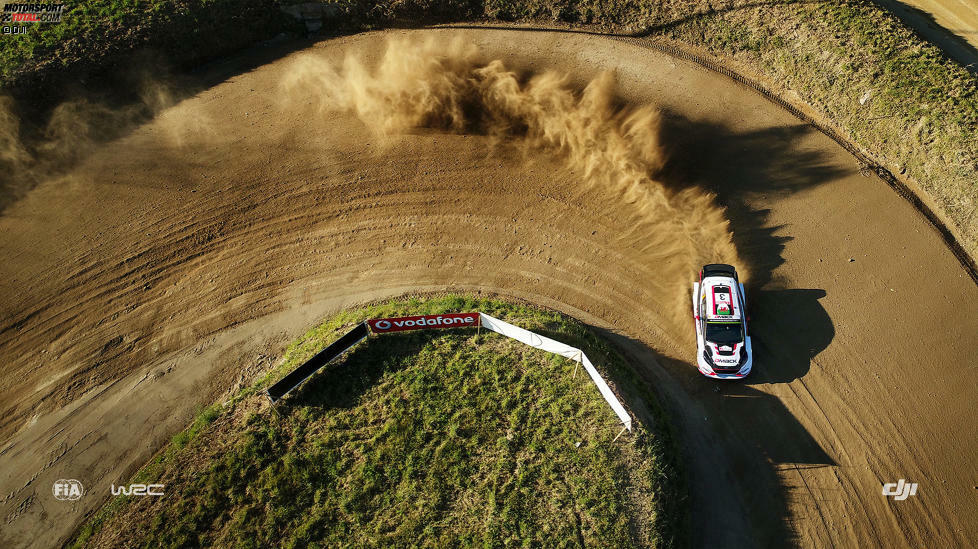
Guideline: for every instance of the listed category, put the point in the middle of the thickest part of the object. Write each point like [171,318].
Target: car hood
[724,354]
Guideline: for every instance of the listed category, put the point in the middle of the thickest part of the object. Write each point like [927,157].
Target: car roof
[722,299]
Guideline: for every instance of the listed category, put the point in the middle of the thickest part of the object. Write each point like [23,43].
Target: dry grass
[919,110]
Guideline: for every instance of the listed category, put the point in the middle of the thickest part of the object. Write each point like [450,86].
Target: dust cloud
[33,152]
[612,147]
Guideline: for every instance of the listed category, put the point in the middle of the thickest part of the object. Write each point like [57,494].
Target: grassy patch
[889,91]
[96,37]
[441,438]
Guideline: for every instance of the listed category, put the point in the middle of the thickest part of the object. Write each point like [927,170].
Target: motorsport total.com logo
[28,13]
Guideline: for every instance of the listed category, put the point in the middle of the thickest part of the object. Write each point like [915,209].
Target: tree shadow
[788,326]
[738,438]
[740,167]
[926,27]
[734,439]
[104,105]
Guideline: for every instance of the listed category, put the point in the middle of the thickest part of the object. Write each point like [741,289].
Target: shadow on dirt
[740,167]
[926,26]
[737,438]
[734,439]
[57,129]
[790,328]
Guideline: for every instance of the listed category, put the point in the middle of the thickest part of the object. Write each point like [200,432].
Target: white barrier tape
[562,349]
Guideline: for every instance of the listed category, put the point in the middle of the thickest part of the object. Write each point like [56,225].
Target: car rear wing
[719,269]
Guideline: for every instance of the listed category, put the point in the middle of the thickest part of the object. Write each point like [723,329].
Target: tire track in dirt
[156,256]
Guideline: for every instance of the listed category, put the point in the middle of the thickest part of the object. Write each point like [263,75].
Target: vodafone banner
[448,320]
[400,324]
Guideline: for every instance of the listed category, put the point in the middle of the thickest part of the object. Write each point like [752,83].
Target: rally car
[719,311]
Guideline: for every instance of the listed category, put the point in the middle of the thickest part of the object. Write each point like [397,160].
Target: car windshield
[724,333]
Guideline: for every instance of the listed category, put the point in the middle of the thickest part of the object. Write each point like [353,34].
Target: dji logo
[900,490]
[67,490]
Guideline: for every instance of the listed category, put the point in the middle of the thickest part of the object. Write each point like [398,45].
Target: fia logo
[900,490]
[67,490]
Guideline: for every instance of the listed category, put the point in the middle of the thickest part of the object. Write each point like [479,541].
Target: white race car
[719,311]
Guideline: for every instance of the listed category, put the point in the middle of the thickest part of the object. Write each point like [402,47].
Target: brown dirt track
[138,286]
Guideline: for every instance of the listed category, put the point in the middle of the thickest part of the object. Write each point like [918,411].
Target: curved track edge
[966,260]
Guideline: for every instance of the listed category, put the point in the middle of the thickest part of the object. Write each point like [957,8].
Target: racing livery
[723,349]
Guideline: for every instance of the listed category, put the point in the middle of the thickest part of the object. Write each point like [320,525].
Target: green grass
[97,34]
[438,438]
[922,117]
